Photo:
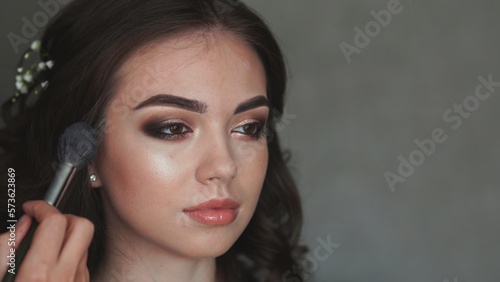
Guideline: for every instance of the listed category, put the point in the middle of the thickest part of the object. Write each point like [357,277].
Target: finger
[4,252]
[48,238]
[22,227]
[82,273]
[39,209]
[10,241]
[78,237]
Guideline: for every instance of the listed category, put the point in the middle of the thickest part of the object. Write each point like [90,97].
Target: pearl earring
[93,178]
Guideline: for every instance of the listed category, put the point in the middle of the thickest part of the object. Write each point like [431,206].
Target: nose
[217,164]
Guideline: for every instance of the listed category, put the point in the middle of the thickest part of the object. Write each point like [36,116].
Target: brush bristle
[78,144]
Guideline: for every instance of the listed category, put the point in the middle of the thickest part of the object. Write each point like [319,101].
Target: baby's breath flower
[28,77]
[24,89]
[36,45]
[25,78]
[19,85]
[41,66]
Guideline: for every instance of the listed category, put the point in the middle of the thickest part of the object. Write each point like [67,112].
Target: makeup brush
[77,146]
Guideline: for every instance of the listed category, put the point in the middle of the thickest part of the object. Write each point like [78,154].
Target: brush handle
[21,252]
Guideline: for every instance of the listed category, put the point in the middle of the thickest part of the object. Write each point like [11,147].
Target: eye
[255,130]
[174,129]
[167,131]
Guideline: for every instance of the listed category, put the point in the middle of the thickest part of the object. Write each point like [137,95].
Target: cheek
[136,175]
[253,160]
[253,155]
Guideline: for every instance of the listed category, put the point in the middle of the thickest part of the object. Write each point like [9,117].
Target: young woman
[189,182]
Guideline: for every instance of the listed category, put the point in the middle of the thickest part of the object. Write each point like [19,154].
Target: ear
[92,171]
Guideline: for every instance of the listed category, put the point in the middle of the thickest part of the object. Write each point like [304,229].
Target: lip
[214,212]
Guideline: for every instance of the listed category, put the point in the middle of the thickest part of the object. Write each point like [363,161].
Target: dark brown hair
[89,40]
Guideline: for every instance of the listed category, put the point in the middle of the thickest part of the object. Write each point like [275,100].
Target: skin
[147,180]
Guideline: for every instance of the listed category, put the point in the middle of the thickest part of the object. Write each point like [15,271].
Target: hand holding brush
[57,243]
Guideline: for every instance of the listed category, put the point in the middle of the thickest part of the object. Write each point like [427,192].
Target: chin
[209,248]
[212,242]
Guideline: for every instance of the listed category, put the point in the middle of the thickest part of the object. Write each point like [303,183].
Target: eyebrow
[176,101]
[198,106]
[252,103]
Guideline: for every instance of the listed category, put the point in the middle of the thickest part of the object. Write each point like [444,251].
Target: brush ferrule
[60,183]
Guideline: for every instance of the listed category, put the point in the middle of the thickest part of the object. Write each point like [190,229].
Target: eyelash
[260,131]
[157,130]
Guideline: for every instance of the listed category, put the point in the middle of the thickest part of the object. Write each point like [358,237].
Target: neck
[125,260]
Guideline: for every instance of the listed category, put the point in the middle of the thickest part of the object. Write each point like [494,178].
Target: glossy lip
[214,212]
[215,204]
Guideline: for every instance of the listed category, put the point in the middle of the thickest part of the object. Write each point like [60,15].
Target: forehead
[204,66]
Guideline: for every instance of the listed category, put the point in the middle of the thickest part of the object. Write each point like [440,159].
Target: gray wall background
[349,122]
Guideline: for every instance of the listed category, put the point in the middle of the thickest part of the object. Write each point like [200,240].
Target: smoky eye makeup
[252,126]
[253,129]
[173,129]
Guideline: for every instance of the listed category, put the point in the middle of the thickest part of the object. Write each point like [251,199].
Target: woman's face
[185,127]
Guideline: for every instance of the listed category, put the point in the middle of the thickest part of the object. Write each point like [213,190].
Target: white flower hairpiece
[36,45]
[28,79]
